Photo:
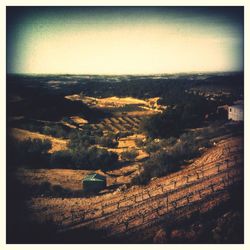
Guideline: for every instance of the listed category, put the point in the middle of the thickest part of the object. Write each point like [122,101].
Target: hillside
[123,215]
[22,134]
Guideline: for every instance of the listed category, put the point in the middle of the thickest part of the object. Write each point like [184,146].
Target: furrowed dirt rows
[116,124]
[199,187]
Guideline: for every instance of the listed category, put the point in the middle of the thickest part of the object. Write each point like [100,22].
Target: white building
[235,112]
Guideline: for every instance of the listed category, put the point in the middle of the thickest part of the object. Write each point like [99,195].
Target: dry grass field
[129,143]
[116,102]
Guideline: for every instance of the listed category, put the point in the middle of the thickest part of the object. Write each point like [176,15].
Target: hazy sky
[124,40]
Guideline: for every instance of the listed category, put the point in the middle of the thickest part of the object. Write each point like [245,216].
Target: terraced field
[119,124]
[125,214]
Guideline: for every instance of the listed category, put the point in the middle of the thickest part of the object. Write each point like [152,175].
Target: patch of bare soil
[79,120]
[67,178]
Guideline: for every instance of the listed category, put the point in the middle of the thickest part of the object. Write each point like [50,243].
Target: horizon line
[127,74]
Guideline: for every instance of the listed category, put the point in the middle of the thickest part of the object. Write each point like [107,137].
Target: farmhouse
[235,112]
[94,182]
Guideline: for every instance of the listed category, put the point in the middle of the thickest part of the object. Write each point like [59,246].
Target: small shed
[235,112]
[94,182]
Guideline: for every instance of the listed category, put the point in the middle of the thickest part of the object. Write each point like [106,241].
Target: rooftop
[237,106]
[94,177]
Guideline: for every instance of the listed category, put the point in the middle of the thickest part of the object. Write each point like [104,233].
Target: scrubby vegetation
[129,155]
[84,158]
[179,117]
[167,155]
[54,129]
[31,152]
[82,153]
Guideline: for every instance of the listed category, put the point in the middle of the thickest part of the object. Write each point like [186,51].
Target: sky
[124,40]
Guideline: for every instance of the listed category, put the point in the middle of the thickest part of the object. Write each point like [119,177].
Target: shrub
[61,159]
[80,139]
[129,155]
[107,142]
[54,130]
[152,147]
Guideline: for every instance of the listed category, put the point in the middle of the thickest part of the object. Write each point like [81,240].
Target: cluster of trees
[170,88]
[55,130]
[88,137]
[84,158]
[83,154]
[178,117]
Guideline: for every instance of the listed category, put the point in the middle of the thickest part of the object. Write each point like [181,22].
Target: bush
[107,142]
[152,147]
[54,130]
[61,159]
[129,155]
[80,139]
[167,155]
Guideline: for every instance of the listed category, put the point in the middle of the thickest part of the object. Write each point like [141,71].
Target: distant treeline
[171,89]
[51,107]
